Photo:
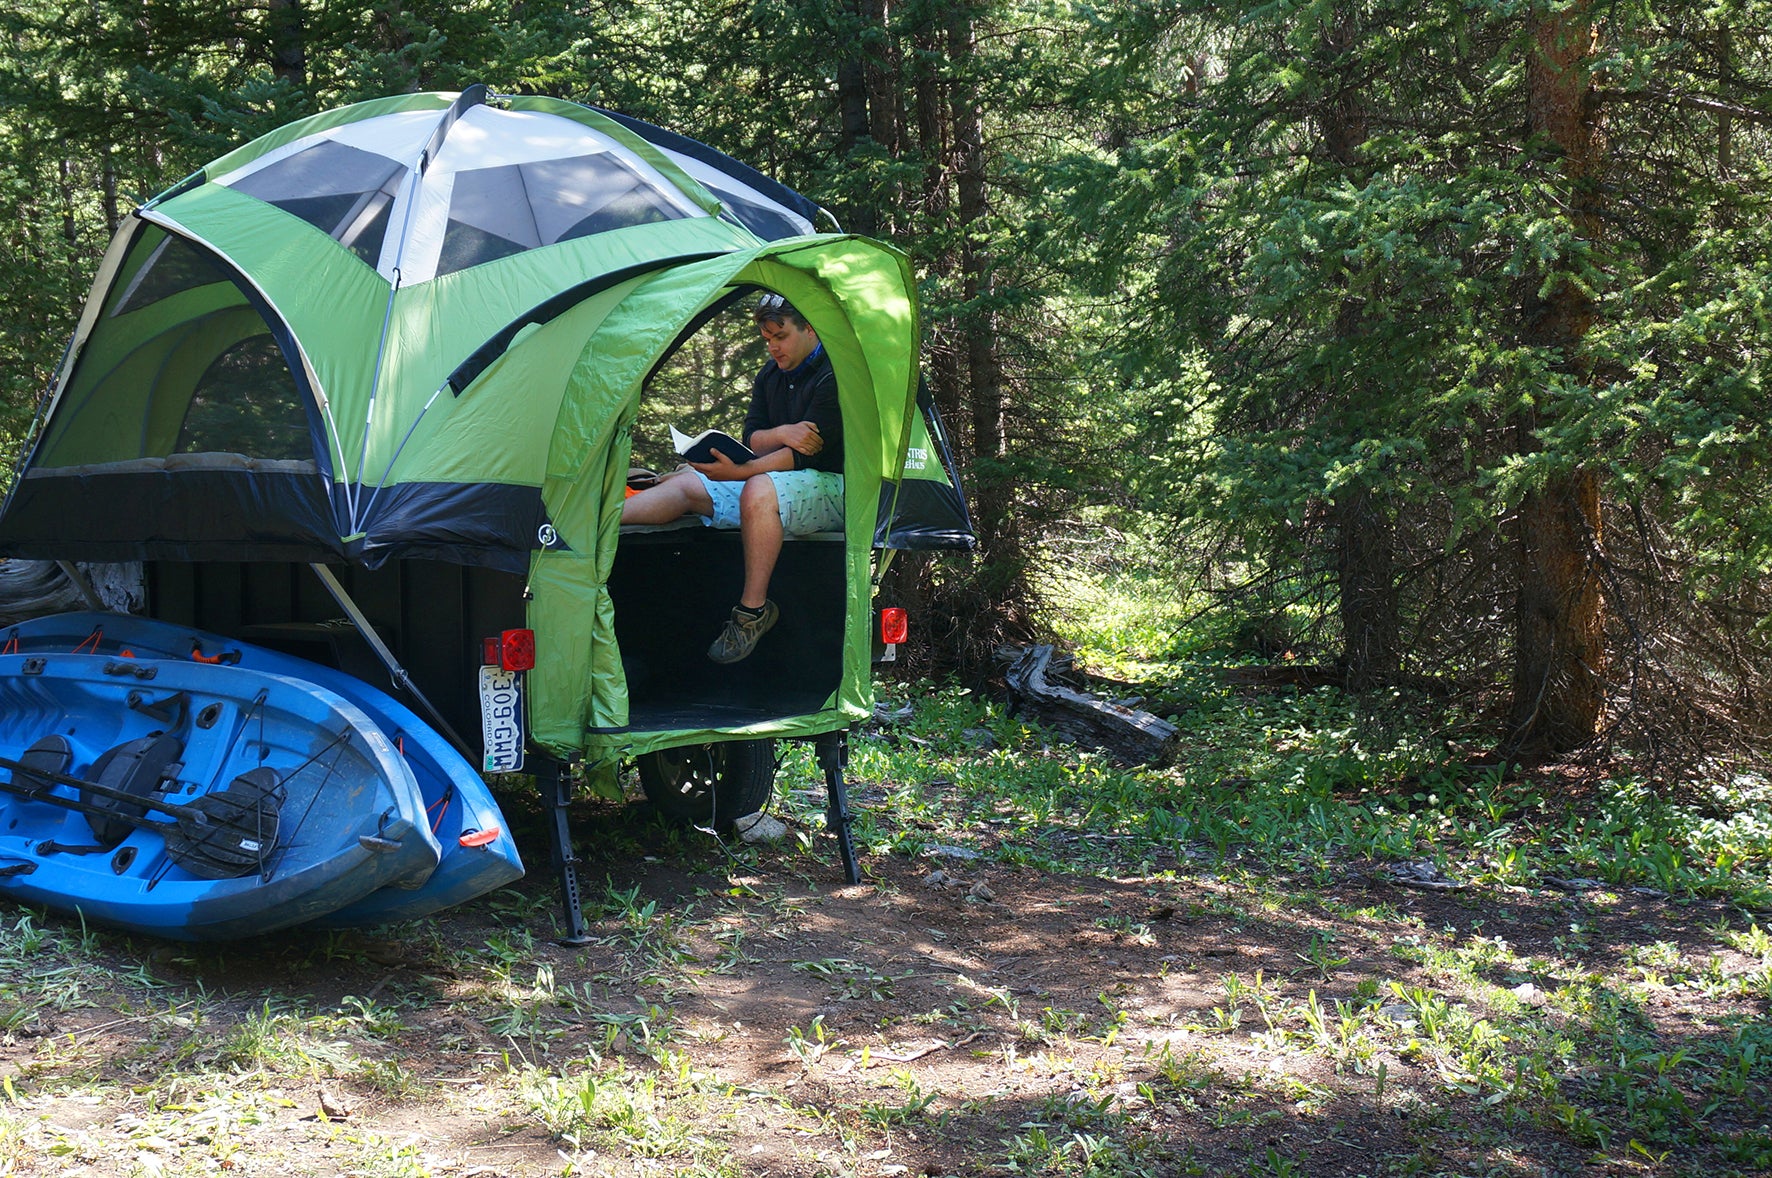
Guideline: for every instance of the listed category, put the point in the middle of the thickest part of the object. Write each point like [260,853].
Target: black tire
[709,784]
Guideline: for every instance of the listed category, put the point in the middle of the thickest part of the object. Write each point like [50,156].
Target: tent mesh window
[159,267]
[343,191]
[181,362]
[765,220]
[496,212]
[246,403]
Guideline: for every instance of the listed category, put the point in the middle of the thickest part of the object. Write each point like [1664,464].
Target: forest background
[1412,354]
[1424,342]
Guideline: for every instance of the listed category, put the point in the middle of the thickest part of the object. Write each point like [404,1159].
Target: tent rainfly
[420,327]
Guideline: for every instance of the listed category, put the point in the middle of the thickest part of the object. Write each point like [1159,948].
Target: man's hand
[801,436]
[722,469]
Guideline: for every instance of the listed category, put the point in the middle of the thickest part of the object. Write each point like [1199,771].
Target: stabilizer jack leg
[555,780]
[833,758]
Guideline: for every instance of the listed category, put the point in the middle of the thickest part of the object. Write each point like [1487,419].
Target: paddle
[219,835]
[243,827]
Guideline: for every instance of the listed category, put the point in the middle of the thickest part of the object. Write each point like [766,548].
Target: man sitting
[793,486]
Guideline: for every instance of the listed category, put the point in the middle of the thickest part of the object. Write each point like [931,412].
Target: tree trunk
[983,369]
[1128,733]
[1559,651]
[70,221]
[1559,659]
[289,55]
[852,91]
[1365,555]
[932,129]
[989,605]
[1364,526]
[868,106]
[108,189]
[934,140]
[881,72]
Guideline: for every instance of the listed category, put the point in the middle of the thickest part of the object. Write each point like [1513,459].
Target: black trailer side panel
[672,590]
[431,614]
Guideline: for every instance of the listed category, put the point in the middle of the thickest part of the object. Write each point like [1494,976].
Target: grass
[1299,783]
[1288,793]
[1621,1025]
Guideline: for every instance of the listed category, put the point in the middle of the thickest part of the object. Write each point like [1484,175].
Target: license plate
[501,719]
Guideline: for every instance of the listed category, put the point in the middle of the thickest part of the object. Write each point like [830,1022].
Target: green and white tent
[419,327]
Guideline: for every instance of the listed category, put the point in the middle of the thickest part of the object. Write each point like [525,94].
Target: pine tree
[1390,271]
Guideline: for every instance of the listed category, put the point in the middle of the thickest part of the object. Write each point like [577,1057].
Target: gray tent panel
[504,210]
[768,221]
[494,201]
[343,191]
[765,206]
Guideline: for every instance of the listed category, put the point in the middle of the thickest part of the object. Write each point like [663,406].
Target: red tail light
[516,650]
[513,650]
[895,626]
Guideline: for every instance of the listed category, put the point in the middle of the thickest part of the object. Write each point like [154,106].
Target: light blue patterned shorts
[809,500]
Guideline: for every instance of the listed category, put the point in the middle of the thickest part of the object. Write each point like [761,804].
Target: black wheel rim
[690,772]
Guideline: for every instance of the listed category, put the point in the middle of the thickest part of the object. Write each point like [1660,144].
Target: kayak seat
[51,754]
[136,768]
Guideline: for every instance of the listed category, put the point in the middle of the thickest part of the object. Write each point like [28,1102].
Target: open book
[701,447]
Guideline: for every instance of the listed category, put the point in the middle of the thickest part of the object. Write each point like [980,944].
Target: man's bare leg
[669,499]
[759,524]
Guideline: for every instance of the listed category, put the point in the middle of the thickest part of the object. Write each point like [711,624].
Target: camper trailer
[364,390]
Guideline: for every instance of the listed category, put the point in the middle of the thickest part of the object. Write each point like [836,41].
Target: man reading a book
[794,485]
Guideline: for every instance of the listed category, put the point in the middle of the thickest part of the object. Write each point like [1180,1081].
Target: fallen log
[1083,719]
[1308,675]
[1285,675]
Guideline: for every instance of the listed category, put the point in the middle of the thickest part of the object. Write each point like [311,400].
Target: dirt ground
[753,1015]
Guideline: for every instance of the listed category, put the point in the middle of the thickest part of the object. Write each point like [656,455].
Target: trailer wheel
[709,784]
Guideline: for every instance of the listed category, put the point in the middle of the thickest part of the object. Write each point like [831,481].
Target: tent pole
[369,507]
[472,96]
[401,679]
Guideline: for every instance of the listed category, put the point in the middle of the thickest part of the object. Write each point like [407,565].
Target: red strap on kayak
[98,632]
[439,809]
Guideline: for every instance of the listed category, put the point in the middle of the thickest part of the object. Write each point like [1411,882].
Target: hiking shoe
[742,633]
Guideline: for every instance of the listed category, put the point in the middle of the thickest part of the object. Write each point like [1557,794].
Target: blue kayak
[194,801]
[478,852]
